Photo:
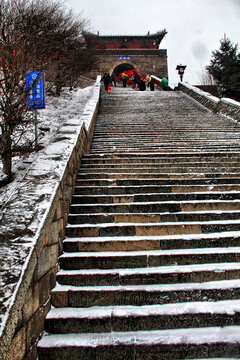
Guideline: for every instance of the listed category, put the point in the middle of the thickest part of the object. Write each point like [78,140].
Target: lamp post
[181,69]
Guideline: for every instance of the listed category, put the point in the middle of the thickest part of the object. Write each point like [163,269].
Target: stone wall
[212,89]
[40,242]
[223,106]
[145,61]
[230,107]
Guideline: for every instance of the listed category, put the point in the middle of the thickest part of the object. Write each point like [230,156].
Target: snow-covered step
[147,317]
[184,216]
[170,274]
[115,148]
[171,344]
[142,229]
[165,168]
[152,197]
[156,206]
[162,181]
[139,159]
[136,259]
[156,175]
[134,243]
[85,296]
[146,189]
[159,157]
[174,145]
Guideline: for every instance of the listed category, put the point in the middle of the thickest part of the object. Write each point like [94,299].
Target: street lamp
[181,69]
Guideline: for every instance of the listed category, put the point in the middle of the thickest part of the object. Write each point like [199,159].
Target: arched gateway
[117,53]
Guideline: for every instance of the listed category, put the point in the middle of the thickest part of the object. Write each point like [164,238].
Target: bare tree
[33,35]
[205,78]
[76,61]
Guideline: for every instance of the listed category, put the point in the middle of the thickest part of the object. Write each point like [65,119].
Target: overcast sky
[194,27]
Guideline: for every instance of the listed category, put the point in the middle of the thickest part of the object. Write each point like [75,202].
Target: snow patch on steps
[228,334]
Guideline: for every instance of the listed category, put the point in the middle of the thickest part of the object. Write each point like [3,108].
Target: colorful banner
[36,97]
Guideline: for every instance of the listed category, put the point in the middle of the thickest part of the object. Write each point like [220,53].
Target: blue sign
[124,58]
[36,96]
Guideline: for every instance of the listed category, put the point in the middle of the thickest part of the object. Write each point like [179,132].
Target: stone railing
[224,106]
[230,107]
[32,231]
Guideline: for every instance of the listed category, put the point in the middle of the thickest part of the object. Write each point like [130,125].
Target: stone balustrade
[224,106]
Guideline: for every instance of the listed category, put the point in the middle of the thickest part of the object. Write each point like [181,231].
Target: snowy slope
[23,203]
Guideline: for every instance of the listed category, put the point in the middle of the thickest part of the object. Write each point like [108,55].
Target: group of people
[137,81]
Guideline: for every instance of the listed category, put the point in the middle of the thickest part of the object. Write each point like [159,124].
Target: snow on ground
[69,105]
[26,200]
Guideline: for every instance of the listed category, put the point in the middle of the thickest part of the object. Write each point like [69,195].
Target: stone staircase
[150,268]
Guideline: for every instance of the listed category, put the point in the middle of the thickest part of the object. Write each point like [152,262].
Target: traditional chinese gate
[117,53]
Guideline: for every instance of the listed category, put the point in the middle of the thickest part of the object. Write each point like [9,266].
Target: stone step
[156,207]
[112,150]
[209,141]
[191,134]
[155,128]
[141,229]
[136,142]
[155,197]
[135,138]
[141,146]
[158,162]
[153,189]
[138,295]
[125,167]
[160,182]
[145,259]
[139,318]
[139,129]
[147,132]
[153,217]
[117,131]
[124,145]
[136,243]
[157,175]
[161,170]
[171,274]
[234,155]
[88,160]
[191,343]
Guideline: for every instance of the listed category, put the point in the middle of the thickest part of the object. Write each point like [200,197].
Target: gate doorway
[122,67]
